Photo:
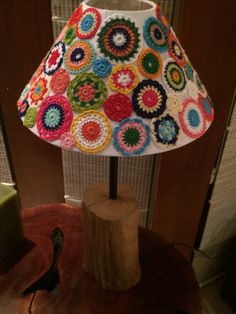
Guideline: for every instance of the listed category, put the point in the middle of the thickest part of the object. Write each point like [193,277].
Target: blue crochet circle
[155,34]
[86,23]
[165,130]
[102,67]
[53,117]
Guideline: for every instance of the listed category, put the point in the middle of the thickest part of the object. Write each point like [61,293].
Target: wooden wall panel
[207,32]
[26,36]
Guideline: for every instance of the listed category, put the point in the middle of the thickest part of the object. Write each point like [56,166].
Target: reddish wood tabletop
[167,285]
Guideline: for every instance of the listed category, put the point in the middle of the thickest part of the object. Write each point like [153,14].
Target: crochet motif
[150,63]
[37,74]
[75,16]
[70,35]
[201,87]
[54,117]
[189,71]
[173,76]
[25,93]
[149,99]
[86,91]
[174,104]
[79,57]
[54,58]
[192,119]
[88,23]
[192,89]
[206,108]
[38,91]
[118,107]
[67,140]
[119,39]
[91,131]
[59,82]
[175,49]
[30,117]
[22,107]
[155,34]
[165,130]
[102,67]
[131,137]
[124,78]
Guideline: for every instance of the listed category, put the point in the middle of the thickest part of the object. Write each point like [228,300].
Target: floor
[213,304]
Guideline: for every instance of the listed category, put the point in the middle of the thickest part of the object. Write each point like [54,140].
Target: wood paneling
[26,36]
[207,32]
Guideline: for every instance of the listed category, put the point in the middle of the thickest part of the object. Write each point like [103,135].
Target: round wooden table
[167,285]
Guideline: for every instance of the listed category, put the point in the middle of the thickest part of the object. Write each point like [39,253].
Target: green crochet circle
[30,117]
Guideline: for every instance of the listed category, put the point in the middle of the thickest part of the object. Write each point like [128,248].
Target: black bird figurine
[51,278]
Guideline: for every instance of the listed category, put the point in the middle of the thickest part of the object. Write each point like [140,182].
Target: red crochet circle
[75,16]
[118,107]
[80,33]
[59,82]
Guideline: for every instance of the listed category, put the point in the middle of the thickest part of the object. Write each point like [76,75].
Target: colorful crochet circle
[150,63]
[88,23]
[189,71]
[119,39]
[70,35]
[75,16]
[175,49]
[30,117]
[102,67]
[54,58]
[206,108]
[59,82]
[38,73]
[86,91]
[38,91]
[79,57]
[131,137]
[67,140]
[54,117]
[22,107]
[173,76]
[124,78]
[155,34]
[149,99]
[174,104]
[192,119]
[165,130]
[118,107]
[91,131]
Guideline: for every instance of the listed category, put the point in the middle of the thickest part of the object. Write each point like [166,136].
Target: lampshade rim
[152,7]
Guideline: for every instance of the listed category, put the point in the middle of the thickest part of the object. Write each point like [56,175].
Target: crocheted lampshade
[116,83]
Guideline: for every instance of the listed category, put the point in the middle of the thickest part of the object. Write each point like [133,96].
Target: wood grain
[167,284]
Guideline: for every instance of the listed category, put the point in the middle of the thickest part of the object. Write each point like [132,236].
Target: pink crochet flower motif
[67,140]
[86,92]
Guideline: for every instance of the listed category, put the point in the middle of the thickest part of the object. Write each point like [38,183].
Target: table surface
[167,285]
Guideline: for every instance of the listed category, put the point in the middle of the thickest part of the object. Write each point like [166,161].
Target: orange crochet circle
[150,63]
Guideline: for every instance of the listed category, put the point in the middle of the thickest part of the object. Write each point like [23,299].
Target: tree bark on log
[111,237]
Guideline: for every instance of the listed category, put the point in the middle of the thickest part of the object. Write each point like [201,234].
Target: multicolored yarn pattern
[173,76]
[88,23]
[131,137]
[67,140]
[79,57]
[189,71]
[119,39]
[165,130]
[60,81]
[174,104]
[155,34]
[175,49]
[92,131]
[86,91]
[22,107]
[207,109]
[54,58]
[38,91]
[201,88]
[75,16]
[150,63]
[30,117]
[149,99]
[124,78]
[102,67]
[192,119]
[54,117]
[118,107]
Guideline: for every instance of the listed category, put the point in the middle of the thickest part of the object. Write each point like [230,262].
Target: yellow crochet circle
[123,78]
[92,131]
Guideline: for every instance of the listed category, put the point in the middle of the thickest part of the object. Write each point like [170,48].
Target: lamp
[115,83]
